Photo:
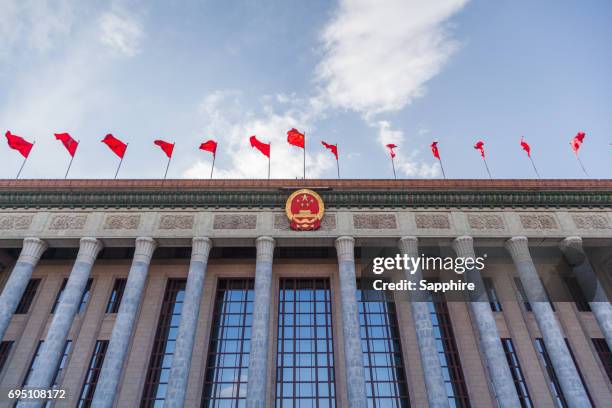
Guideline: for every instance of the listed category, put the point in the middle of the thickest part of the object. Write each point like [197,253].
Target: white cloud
[121,33]
[379,54]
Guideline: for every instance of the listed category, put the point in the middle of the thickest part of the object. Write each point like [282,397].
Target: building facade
[128,293]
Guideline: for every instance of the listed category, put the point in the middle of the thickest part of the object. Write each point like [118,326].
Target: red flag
[168,148]
[577,141]
[264,148]
[525,146]
[209,146]
[69,143]
[18,143]
[434,150]
[332,148]
[391,146]
[480,146]
[116,145]
[294,137]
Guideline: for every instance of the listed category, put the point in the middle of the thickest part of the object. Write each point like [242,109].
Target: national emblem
[305,209]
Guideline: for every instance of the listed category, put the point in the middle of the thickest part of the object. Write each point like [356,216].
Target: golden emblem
[305,209]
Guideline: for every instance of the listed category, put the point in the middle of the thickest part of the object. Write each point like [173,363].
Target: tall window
[93,373]
[603,351]
[492,294]
[517,373]
[586,389]
[456,388]
[163,346]
[57,377]
[84,297]
[381,347]
[5,350]
[28,297]
[577,295]
[225,380]
[305,352]
[116,295]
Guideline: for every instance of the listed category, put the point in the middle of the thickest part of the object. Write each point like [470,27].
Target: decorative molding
[484,221]
[591,221]
[89,248]
[15,222]
[539,221]
[518,247]
[345,248]
[32,250]
[464,246]
[265,249]
[200,249]
[409,246]
[432,221]
[178,221]
[374,221]
[328,223]
[234,221]
[143,252]
[122,221]
[68,222]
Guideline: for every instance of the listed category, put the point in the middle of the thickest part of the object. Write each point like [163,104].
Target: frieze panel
[68,222]
[15,222]
[591,221]
[432,221]
[235,221]
[173,222]
[482,221]
[122,222]
[539,221]
[374,221]
[328,223]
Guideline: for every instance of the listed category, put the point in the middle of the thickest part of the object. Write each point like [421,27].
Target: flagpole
[442,167]
[393,165]
[582,165]
[487,167]
[337,161]
[269,156]
[304,155]
[24,162]
[168,166]
[121,161]
[71,159]
[534,167]
[213,165]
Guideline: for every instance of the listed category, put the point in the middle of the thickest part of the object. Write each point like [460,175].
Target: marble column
[32,250]
[52,348]
[589,284]
[490,343]
[562,361]
[181,361]
[430,360]
[258,358]
[116,354]
[353,356]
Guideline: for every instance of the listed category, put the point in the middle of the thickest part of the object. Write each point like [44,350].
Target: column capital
[32,250]
[345,248]
[573,250]
[89,248]
[464,246]
[265,248]
[518,247]
[200,248]
[145,246]
[409,246]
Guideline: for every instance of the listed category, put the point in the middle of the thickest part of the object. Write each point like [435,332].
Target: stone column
[52,349]
[430,360]
[353,356]
[589,284]
[497,364]
[116,354]
[181,361]
[258,358]
[550,330]
[32,250]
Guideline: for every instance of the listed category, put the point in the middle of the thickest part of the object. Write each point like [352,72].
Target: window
[552,377]
[116,295]
[84,297]
[523,295]
[517,373]
[57,378]
[456,388]
[492,294]
[163,346]
[604,355]
[227,367]
[5,350]
[381,347]
[93,373]
[579,372]
[305,352]
[577,295]
[28,297]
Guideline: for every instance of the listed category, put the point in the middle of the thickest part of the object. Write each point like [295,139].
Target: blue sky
[358,73]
